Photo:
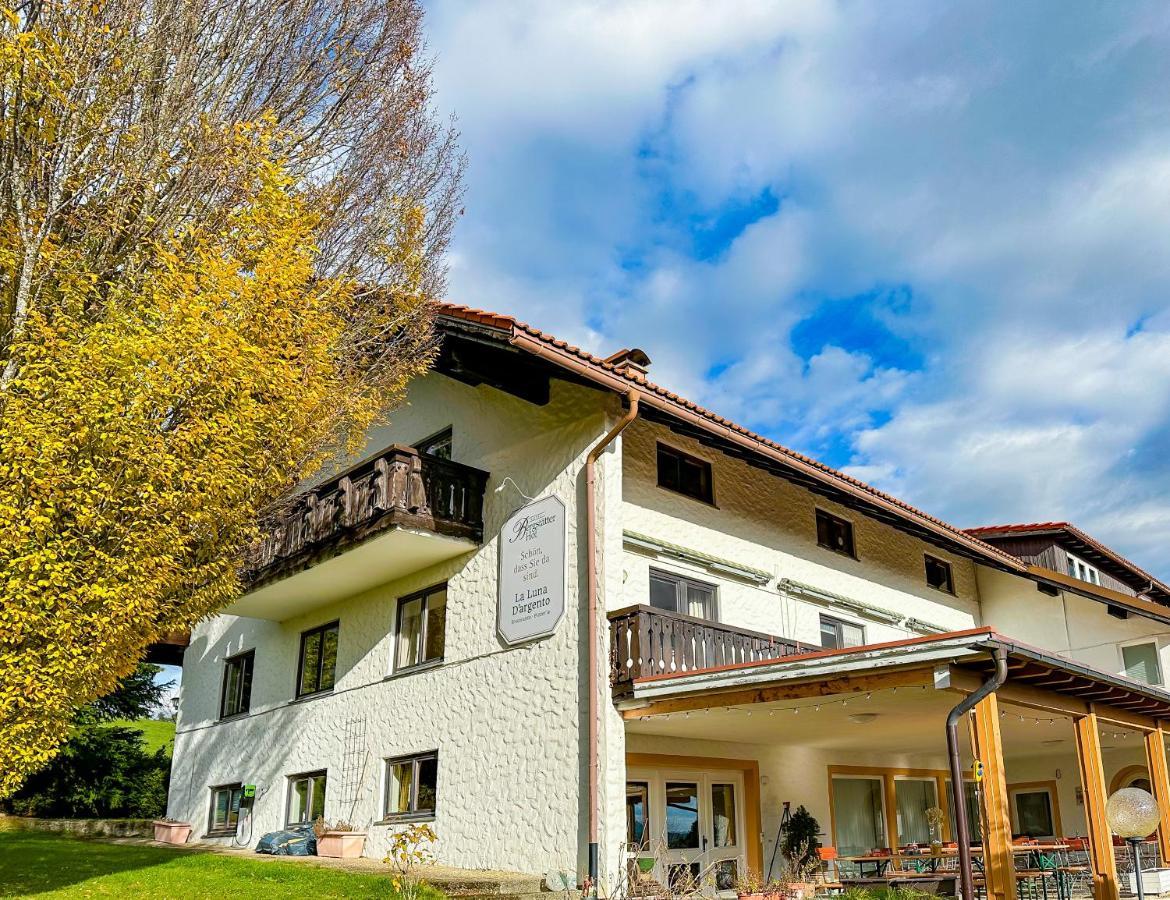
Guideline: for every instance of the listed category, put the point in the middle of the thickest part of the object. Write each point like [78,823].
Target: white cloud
[1019,186]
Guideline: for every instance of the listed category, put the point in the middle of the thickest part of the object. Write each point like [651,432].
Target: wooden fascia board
[919,676]
[1144,608]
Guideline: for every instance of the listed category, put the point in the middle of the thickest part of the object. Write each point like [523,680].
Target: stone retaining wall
[82,827]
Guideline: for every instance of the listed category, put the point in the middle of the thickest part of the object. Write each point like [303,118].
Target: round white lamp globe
[1132,813]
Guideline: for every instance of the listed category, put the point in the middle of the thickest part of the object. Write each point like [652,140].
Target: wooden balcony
[398,488]
[648,641]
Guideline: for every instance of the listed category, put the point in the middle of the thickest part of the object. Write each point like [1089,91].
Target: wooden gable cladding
[1051,552]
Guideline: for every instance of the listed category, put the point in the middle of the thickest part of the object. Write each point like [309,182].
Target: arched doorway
[1131,776]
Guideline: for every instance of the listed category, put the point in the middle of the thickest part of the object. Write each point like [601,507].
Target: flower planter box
[172,832]
[1154,881]
[341,844]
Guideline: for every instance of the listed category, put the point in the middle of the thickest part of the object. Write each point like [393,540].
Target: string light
[844,701]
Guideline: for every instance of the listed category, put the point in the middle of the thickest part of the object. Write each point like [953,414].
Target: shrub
[101,772]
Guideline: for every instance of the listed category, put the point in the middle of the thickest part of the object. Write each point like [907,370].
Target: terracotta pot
[341,844]
[801,890]
[172,832]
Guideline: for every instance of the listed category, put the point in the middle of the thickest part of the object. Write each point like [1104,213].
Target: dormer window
[1082,571]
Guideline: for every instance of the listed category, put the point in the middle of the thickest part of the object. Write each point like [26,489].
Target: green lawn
[155,732]
[34,864]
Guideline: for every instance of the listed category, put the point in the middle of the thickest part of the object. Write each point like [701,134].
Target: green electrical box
[249,791]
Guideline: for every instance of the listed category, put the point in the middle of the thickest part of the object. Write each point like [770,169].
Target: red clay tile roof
[819,470]
[994,531]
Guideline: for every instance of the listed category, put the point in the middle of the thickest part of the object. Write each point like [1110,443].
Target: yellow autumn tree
[221,230]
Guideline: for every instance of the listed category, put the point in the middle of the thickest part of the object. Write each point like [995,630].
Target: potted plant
[171,831]
[339,840]
[934,818]
[749,885]
[800,850]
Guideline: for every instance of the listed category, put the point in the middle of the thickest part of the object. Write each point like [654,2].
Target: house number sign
[532,571]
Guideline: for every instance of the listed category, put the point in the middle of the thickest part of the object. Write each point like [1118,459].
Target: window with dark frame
[306,797]
[412,785]
[835,534]
[837,634]
[225,810]
[678,471]
[421,628]
[437,445]
[677,593]
[939,575]
[318,660]
[236,696]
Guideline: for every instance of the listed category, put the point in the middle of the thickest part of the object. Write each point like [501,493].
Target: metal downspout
[591,581]
[962,826]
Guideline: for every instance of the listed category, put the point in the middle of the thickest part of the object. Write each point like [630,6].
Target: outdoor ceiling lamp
[1132,814]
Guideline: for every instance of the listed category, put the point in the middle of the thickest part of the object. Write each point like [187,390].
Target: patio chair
[1076,867]
[827,879]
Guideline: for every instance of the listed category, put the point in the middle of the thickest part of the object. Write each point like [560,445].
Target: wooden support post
[1160,783]
[998,864]
[1092,768]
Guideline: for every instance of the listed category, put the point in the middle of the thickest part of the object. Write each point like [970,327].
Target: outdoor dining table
[879,863]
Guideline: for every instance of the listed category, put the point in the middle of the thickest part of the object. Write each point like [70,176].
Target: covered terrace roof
[1036,676]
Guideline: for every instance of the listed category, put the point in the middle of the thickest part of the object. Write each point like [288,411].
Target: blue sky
[926,243]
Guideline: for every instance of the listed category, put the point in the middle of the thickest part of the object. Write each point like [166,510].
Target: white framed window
[677,593]
[1140,662]
[1082,571]
[836,634]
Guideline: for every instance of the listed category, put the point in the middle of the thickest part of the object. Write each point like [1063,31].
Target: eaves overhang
[687,418]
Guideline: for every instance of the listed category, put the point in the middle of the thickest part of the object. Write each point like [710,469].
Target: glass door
[688,828]
[727,847]
[859,817]
[913,797]
[684,836]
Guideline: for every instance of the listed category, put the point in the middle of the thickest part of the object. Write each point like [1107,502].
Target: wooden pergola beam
[998,863]
[1092,768]
[1160,784]
[1045,700]
[922,676]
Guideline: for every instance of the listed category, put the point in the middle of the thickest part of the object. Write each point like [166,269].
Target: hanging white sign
[532,571]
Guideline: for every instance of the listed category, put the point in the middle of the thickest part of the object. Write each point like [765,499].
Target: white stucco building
[767,631]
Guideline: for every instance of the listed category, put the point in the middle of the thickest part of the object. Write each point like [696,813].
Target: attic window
[685,474]
[834,533]
[938,575]
[1082,571]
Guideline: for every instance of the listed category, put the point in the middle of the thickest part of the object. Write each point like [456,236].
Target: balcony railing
[648,641]
[398,487]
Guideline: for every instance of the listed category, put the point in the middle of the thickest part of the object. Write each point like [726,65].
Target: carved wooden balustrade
[399,487]
[646,641]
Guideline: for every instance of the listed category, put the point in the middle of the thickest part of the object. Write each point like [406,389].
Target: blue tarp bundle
[298,840]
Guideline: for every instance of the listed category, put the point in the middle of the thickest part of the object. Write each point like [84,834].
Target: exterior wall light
[1133,814]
